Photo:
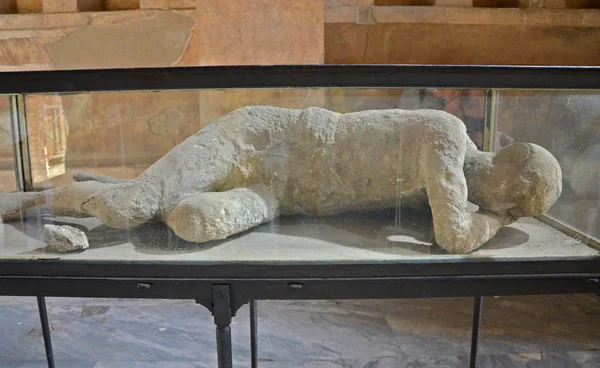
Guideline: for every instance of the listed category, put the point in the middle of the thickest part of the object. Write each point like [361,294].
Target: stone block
[59,6]
[236,32]
[22,54]
[168,4]
[41,22]
[191,54]
[156,39]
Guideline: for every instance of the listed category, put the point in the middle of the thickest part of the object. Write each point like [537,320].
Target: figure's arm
[456,229]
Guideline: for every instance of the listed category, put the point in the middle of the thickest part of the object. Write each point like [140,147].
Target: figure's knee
[124,206]
[187,221]
[216,216]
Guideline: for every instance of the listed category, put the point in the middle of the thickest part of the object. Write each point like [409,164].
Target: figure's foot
[12,205]
[81,176]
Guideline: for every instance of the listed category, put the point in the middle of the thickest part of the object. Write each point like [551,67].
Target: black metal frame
[301,76]
[224,287]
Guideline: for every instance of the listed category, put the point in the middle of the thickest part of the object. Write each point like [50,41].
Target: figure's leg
[218,215]
[116,205]
[67,200]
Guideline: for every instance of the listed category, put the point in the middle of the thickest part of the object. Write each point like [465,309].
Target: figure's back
[314,160]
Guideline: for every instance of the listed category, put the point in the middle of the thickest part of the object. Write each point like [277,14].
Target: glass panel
[8,181]
[567,123]
[322,174]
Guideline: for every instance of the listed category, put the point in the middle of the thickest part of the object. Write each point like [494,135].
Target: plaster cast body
[257,162]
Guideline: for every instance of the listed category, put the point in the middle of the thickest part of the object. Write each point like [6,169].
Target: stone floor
[560,331]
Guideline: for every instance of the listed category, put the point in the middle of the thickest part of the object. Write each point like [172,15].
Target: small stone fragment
[64,238]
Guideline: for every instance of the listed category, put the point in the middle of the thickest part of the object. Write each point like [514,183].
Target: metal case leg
[45,330]
[475,334]
[254,333]
[222,314]
[224,356]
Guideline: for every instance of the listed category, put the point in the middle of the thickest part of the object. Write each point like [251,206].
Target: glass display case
[300,182]
[310,174]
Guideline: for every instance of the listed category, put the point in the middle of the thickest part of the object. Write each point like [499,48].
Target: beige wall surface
[261,32]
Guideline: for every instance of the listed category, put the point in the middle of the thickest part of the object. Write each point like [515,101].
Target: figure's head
[523,180]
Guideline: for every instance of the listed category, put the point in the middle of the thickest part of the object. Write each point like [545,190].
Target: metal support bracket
[217,302]
[221,305]
[223,308]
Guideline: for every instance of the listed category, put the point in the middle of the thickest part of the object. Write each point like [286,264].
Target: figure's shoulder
[436,116]
[440,121]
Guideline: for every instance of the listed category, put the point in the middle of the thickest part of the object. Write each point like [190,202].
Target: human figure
[257,162]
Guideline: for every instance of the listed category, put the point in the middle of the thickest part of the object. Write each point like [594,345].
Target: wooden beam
[8,7]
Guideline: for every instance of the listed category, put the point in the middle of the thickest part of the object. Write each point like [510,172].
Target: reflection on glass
[467,105]
[7,164]
[122,133]
[568,125]
[188,175]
